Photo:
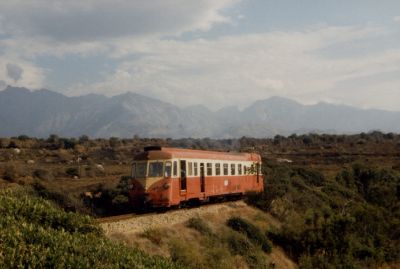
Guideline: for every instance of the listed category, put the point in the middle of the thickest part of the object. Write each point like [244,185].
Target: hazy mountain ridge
[44,112]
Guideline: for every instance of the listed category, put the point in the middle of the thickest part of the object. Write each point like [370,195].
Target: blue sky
[210,52]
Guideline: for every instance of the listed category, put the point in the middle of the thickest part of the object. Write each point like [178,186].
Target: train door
[260,181]
[183,175]
[202,178]
[258,172]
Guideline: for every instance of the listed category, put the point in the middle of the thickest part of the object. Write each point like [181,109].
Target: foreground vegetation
[351,220]
[222,241]
[36,234]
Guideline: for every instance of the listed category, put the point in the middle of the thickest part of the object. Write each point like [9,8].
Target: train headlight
[132,186]
[166,186]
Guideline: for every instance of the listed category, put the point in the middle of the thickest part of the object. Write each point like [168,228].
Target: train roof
[162,153]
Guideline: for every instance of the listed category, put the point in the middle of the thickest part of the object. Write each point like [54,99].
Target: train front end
[151,180]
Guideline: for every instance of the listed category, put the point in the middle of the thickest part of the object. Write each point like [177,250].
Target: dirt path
[138,224]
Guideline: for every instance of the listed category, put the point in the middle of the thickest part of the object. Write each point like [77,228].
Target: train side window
[239,169]
[209,169]
[245,169]
[190,168]
[225,169]
[217,169]
[233,169]
[175,168]
[168,168]
[195,169]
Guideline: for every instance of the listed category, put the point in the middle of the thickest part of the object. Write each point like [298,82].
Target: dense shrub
[23,137]
[83,139]
[35,234]
[113,200]
[10,173]
[251,231]
[199,225]
[67,143]
[12,145]
[154,235]
[350,221]
[311,177]
[67,201]
[120,200]
[239,244]
[72,171]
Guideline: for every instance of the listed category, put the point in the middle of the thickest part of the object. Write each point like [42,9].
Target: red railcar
[164,177]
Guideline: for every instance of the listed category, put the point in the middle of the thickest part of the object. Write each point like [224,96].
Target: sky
[211,52]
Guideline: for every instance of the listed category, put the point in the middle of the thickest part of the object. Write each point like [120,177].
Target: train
[164,177]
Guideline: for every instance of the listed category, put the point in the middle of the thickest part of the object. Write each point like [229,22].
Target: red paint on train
[176,183]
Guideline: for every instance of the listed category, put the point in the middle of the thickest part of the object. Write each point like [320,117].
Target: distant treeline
[312,139]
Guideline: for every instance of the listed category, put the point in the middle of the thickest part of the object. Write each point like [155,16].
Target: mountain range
[43,112]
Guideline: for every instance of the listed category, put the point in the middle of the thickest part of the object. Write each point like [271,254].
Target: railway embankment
[131,224]
[198,236]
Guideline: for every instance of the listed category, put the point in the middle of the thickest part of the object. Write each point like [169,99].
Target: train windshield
[156,169]
[151,169]
[139,170]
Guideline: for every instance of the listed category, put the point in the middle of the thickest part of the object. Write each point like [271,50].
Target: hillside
[203,233]
[36,234]
[43,112]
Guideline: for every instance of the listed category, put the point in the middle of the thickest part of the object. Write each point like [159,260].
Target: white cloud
[396,19]
[29,29]
[87,20]
[242,69]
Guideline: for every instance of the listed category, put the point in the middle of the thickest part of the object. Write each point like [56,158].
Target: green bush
[251,231]
[199,225]
[10,173]
[72,171]
[239,244]
[36,234]
[347,221]
[120,200]
[311,176]
[23,138]
[154,235]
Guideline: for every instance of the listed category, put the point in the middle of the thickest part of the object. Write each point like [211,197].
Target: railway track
[132,215]
[134,223]
[156,212]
